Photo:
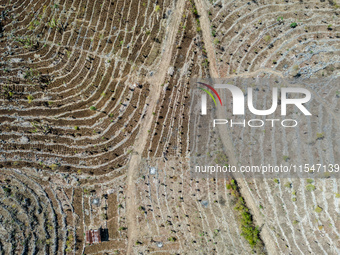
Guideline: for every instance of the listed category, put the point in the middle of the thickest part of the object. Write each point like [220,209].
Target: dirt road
[141,141]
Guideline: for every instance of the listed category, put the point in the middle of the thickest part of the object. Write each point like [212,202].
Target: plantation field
[96,130]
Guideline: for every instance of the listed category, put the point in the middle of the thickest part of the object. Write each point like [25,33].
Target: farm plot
[74,80]
[177,213]
[296,40]
[44,214]
[292,38]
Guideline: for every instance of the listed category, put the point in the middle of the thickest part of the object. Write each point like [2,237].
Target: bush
[318,209]
[248,230]
[232,185]
[288,185]
[172,239]
[310,187]
[280,19]
[30,98]
[293,25]
[286,158]
[320,136]
[92,108]
[7,190]
[267,38]
[53,167]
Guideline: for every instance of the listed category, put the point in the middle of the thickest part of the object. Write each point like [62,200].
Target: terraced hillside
[94,127]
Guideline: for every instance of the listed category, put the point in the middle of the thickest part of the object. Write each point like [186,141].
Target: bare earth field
[95,127]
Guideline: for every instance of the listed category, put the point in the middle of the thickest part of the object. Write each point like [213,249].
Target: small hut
[93,236]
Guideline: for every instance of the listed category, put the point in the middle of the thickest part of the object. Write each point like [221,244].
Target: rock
[153,170]
[20,74]
[171,71]
[205,203]
[24,140]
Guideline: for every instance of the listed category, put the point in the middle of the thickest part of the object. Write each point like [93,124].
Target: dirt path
[227,143]
[141,141]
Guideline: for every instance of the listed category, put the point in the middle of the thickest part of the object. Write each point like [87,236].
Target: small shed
[93,236]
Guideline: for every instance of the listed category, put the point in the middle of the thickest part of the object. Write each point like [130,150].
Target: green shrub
[320,136]
[172,239]
[310,187]
[248,230]
[288,185]
[267,38]
[285,158]
[293,25]
[7,190]
[318,209]
[30,98]
[93,108]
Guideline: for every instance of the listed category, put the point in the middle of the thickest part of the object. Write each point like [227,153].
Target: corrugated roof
[93,236]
